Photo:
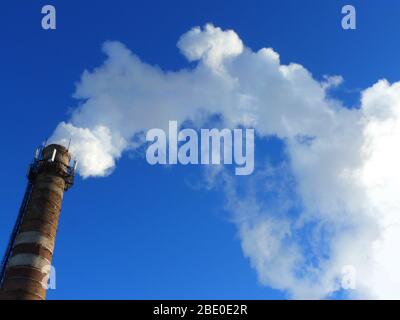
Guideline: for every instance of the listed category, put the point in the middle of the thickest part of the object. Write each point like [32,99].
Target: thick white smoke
[341,169]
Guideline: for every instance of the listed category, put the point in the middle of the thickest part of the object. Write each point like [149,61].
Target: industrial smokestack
[28,257]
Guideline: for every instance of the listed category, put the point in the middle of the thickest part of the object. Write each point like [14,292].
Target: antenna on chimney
[54,155]
[75,164]
[69,143]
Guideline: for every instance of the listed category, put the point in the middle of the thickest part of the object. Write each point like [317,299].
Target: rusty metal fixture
[26,264]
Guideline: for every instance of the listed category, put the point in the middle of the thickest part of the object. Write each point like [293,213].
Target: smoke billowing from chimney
[342,162]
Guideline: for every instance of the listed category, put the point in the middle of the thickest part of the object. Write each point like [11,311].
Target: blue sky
[145,232]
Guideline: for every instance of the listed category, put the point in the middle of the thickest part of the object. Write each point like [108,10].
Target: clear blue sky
[143,233]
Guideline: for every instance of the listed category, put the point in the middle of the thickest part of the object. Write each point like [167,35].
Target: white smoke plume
[342,171]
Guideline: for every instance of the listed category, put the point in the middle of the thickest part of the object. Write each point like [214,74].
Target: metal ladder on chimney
[14,233]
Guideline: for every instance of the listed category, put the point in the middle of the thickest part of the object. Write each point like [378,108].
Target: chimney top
[58,152]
